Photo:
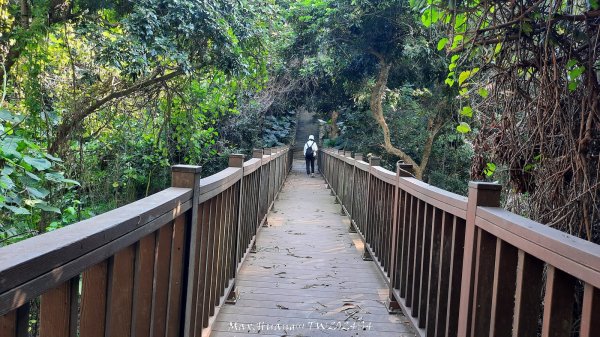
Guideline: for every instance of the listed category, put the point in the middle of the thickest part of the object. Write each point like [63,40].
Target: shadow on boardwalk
[307,277]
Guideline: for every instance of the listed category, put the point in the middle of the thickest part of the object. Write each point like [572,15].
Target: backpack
[309,151]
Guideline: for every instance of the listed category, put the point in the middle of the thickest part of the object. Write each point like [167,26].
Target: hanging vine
[528,76]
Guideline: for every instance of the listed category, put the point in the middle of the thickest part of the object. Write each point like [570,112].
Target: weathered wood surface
[308,275]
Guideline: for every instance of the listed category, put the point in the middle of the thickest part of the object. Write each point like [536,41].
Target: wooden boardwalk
[307,277]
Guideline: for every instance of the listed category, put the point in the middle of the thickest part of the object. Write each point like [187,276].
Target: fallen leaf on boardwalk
[282,307]
[308,286]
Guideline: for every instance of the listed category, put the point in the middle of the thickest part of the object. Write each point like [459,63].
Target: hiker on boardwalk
[310,152]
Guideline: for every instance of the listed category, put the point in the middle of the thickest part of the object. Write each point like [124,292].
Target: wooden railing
[161,266]
[463,266]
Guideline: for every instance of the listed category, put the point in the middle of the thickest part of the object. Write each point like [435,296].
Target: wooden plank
[527,295]
[434,271]
[55,312]
[411,250]
[194,272]
[74,313]
[93,301]
[228,233]
[142,290]
[445,273]
[418,257]
[120,293]
[207,303]
[8,324]
[174,310]
[160,290]
[558,304]
[456,267]
[503,295]
[590,315]
[425,265]
[203,228]
[388,221]
[398,239]
[405,225]
[218,240]
[485,255]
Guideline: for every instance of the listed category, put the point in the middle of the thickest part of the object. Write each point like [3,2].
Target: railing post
[189,176]
[480,194]
[268,152]
[402,170]
[373,161]
[237,161]
[406,170]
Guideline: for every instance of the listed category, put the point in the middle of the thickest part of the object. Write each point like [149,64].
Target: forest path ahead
[307,125]
[307,277]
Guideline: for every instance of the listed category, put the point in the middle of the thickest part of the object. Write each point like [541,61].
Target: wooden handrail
[447,257]
[31,259]
[165,263]
[573,255]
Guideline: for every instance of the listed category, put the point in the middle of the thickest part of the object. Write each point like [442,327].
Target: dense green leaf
[39,164]
[38,193]
[490,169]
[6,182]
[47,208]
[463,128]
[467,111]
[442,43]
[463,76]
[17,210]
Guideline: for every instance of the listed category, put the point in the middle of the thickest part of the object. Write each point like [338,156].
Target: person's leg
[307,163]
[312,164]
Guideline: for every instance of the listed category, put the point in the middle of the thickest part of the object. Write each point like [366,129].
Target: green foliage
[278,130]
[463,128]
[107,59]
[29,179]
[490,169]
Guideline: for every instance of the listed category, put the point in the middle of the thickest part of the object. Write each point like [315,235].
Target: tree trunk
[376,104]
[433,127]
[334,128]
[25,14]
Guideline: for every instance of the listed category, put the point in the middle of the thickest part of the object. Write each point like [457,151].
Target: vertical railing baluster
[590,314]
[237,161]
[373,161]
[55,312]
[503,298]
[143,279]
[93,301]
[558,303]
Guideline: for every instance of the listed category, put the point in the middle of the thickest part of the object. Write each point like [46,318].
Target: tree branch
[66,127]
